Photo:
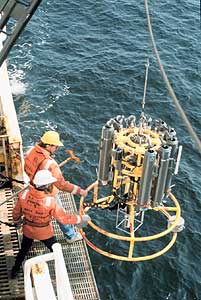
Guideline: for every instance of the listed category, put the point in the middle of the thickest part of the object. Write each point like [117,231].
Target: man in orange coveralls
[38,206]
[40,157]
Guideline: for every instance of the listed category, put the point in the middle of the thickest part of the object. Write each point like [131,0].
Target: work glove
[83,193]
[84,222]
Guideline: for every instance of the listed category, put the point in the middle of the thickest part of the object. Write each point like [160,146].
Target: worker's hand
[83,193]
[84,222]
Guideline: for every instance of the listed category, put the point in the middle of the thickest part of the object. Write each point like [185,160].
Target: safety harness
[33,224]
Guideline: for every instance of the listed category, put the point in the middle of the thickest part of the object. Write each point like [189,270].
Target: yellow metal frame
[123,140]
[132,239]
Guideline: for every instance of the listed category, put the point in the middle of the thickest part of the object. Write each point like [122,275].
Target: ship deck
[76,256]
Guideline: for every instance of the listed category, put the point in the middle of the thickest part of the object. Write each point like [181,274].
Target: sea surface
[80,63]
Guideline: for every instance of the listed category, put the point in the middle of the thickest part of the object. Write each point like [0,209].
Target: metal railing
[63,288]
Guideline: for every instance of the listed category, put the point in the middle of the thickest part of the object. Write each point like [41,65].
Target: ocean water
[79,63]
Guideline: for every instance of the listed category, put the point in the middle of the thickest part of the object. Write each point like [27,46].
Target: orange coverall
[38,208]
[39,158]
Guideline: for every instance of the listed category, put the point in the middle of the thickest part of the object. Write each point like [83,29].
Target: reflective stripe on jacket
[38,208]
[39,158]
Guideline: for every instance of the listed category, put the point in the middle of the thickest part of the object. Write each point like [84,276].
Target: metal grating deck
[75,255]
[9,247]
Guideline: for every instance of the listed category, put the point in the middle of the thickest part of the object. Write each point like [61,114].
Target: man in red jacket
[39,158]
[37,206]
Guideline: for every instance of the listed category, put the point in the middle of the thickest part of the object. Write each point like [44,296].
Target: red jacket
[38,159]
[38,207]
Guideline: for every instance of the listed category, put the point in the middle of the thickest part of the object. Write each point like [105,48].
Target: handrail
[62,280]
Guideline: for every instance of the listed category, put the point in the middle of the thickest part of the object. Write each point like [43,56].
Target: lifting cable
[170,89]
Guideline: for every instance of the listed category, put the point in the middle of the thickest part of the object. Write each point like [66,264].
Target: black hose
[8,224]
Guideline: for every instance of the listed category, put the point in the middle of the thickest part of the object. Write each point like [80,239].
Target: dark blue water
[79,63]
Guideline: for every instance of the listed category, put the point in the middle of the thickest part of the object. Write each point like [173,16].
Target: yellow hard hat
[51,138]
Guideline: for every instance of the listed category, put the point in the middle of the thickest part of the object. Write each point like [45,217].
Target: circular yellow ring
[127,144]
[132,259]
[139,239]
[133,239]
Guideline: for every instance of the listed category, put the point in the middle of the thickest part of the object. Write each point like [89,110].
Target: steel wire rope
[169,87]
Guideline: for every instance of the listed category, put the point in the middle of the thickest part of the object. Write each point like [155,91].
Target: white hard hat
[43,177]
